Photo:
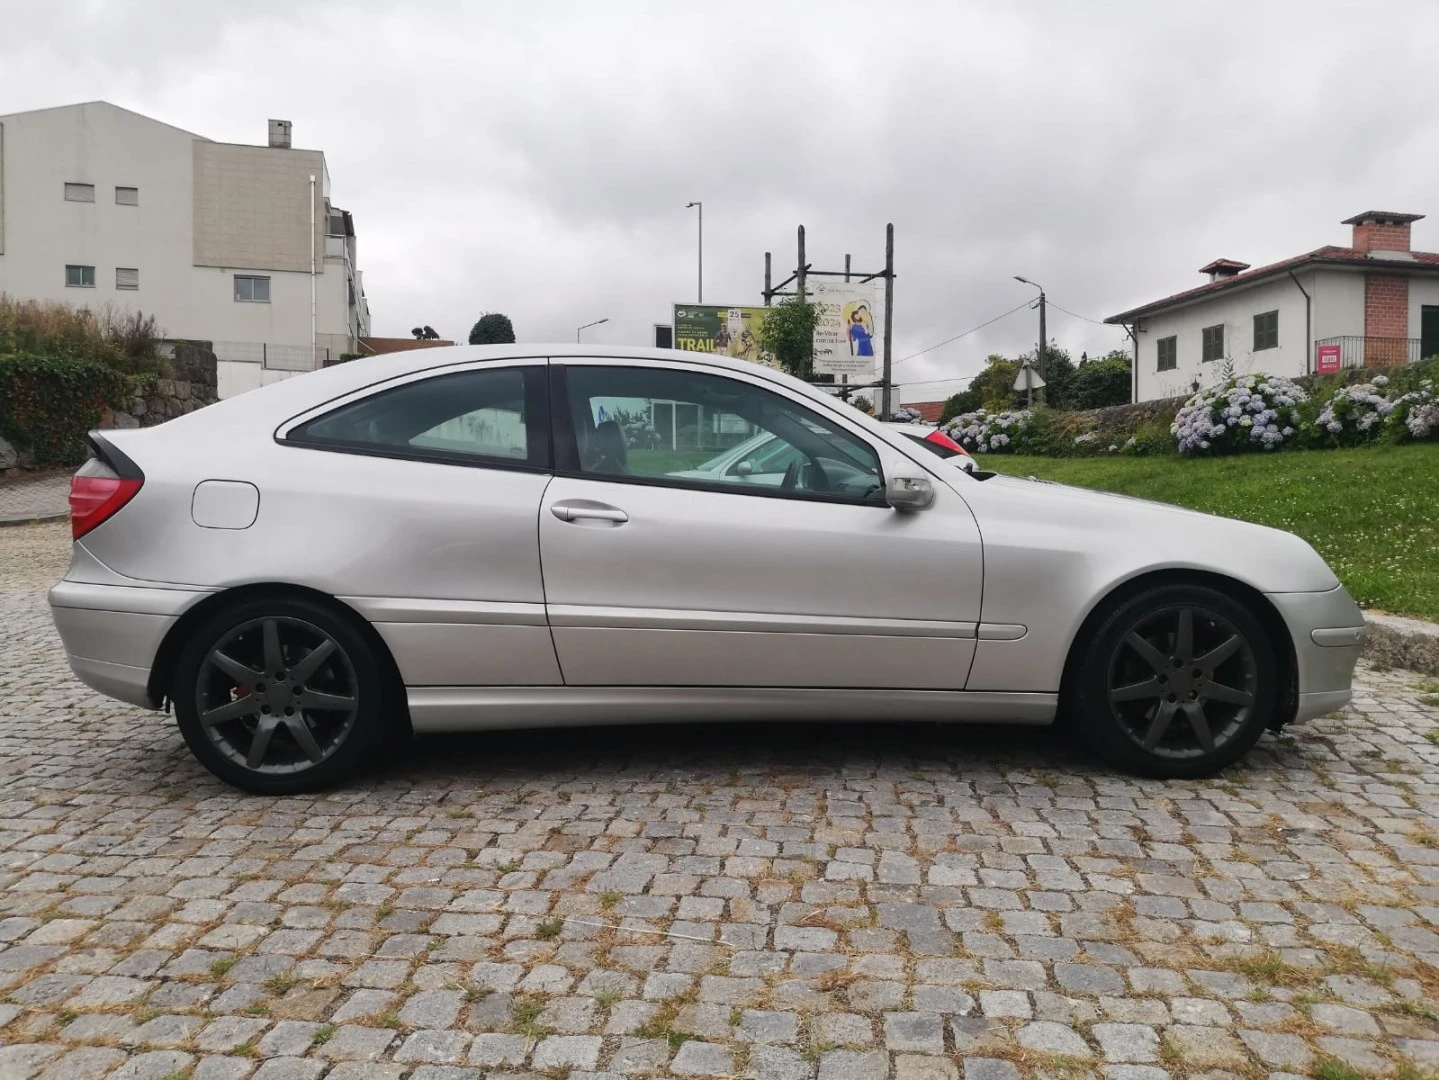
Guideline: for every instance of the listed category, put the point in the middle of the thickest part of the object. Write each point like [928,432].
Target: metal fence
[1356,351]
[273,357]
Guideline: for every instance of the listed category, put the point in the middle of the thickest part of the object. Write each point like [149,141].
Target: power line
[965,333]
[1086,318]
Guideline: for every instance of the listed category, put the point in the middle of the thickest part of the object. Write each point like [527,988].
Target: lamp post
[700,299]
[1043,339]
[587,326]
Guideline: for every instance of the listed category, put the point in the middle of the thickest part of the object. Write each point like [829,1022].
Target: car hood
[1148,535]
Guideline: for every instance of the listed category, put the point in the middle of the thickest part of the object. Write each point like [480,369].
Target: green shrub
[48,403]
[127,341]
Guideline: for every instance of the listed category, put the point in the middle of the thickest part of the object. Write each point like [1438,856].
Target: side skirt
[482,708]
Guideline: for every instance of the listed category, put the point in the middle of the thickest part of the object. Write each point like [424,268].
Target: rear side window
[496,417]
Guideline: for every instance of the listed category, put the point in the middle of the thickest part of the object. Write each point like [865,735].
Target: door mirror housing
[744,468]
[908,493]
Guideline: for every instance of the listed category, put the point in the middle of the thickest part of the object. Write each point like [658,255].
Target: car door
[432,485]
[656,575]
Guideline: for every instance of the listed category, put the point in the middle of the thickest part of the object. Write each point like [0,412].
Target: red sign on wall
[1328,360]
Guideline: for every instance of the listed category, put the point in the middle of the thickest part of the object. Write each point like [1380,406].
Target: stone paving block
[574,1051]
[854,1065]
[697,1058]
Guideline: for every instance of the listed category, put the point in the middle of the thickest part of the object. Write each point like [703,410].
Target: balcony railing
[1357,351]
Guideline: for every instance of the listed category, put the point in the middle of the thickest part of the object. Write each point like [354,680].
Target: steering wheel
[791,476]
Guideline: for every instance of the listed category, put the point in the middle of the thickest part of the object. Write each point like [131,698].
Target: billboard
[720,328]
[845,338]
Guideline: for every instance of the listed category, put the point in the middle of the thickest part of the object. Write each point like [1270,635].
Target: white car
[938,443]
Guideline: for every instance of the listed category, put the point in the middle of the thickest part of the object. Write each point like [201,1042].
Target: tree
[863,404]
[787,334]
[492,329]
[1058,375]
[1102,382]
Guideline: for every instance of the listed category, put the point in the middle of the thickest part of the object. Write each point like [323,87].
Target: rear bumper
[113,633]
[1327,630]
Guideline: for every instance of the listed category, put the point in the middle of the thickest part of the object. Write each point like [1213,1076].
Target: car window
[697,429]
[495,415]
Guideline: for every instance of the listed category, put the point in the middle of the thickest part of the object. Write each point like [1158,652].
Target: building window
[1266,331]
[1213,343]
[1168,353]
[127,196]
[79,192]
[80,277]
[127,277]
[252,290]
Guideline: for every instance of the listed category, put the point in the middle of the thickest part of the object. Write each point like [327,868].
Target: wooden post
[888,319]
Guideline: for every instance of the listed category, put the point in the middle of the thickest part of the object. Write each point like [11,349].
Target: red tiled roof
[1341,256]
[929,411]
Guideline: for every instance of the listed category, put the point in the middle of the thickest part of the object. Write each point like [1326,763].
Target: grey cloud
[536,159]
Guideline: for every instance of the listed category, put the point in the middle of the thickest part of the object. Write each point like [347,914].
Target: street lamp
[1043,340]
[587,326]
[701,207]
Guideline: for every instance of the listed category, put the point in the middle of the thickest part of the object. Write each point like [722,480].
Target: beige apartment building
[235,244]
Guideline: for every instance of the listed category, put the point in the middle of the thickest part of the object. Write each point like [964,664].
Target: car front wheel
[278,695]
[1178,682]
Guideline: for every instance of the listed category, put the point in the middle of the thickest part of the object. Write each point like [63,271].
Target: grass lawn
[658,462]
[1373,513]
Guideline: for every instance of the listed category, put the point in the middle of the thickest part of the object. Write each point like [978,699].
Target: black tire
[1143,711]
[222,699]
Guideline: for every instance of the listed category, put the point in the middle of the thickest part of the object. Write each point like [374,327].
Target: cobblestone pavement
[782,904]
[35,498]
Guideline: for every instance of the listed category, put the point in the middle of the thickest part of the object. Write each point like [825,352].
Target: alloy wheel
[277,695]
[1182,682]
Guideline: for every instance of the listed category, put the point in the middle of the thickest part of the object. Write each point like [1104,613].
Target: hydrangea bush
[1244,412]
[1355,413]
[905,415]
[992,433]
[1416,414]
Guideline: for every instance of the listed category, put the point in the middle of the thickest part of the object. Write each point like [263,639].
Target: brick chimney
[1381,231]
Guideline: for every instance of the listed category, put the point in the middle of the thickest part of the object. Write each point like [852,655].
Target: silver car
[493,537]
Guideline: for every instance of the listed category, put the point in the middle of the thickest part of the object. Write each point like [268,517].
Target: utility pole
[800,271]
[1041,354]
[888,318]
[700,299]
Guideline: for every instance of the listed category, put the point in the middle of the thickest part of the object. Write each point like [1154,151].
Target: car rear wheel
[279,695]
[1178,682]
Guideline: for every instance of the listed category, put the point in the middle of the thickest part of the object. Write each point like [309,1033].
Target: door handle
[584,510]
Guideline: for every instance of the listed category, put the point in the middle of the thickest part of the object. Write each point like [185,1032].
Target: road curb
[1395,641]
[34,519]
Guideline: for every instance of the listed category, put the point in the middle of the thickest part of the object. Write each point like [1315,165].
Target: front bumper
[113,633]
[1327,629]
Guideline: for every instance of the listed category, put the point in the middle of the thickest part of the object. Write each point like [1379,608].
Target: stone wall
[191,386]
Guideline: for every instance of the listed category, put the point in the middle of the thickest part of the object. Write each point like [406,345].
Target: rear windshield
[937,449]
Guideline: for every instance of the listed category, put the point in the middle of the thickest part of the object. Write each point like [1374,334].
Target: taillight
[939,438]
[95,494]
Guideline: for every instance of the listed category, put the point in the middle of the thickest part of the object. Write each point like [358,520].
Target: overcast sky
[536,158]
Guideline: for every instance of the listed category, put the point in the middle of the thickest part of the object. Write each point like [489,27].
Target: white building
[221,242]
[1374,303]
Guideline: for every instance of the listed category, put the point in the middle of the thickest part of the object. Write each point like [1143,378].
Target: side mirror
[744,468]
[908,493]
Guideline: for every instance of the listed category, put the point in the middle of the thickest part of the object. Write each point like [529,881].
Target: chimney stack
[1381,232]
[280,134]
[1220,269]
